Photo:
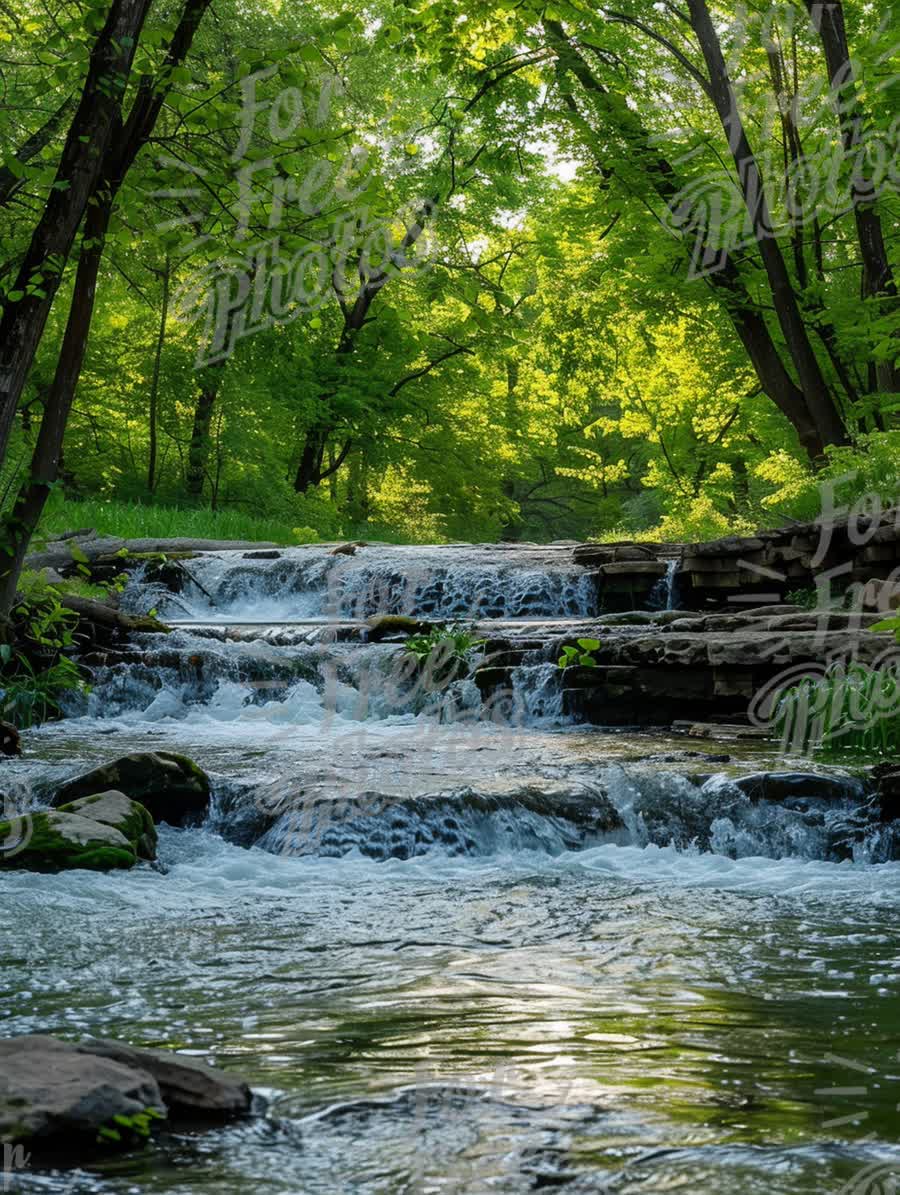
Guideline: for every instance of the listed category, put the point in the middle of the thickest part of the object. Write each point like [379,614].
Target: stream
[461,947]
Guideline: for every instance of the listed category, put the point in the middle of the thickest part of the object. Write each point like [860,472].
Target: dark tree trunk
[10,182]
[311,470]
[33,494]
[727,282]
[358,488]
[110,173]
[98,117]
[819,399]
[878,278]
[153,413]
[198,451]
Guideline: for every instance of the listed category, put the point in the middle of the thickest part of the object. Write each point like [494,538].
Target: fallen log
[99,614]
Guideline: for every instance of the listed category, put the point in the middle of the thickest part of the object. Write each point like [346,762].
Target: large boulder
[128,817]
[171,787]
[190,1089]
[55,1096]
[57,841]
[51,1094]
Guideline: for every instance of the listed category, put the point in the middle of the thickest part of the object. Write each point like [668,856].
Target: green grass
[851,708]
[135,520]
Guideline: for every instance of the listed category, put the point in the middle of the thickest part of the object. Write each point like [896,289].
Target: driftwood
[66,554]
[100,615]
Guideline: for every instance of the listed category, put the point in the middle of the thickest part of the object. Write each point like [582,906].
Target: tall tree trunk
[878,278]
[818,397]
[154,384]
[33,494]
[110,173]
[198,450]
[727,282]
[358,488]
[97,119]
[311,470]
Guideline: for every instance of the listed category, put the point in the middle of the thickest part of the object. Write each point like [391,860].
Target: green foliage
[543,367]
[852,708]
[129,1130]
[35,675]
[581,655]
[443,651]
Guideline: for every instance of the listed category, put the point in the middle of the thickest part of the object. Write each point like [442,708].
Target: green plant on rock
[453,642]
[581,655]
[129,1130]
[442,654]
[850,708]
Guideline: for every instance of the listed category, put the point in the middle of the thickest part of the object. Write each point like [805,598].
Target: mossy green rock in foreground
[129,817]
[171,787]
[56,841]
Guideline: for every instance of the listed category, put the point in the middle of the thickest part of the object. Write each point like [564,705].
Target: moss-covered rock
[171,787]
[129,817]
[57,841]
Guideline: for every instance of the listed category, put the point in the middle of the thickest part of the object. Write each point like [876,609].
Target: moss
[137,825]
[49,850]
[192,769]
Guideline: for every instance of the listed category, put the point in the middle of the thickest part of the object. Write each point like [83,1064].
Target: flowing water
[461,949]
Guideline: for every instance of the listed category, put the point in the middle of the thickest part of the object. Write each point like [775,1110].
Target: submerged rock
[52,1095]
[57,841]
[171,787]
[504,815]
[129,817]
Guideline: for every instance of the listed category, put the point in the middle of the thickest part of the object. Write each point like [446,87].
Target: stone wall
[832,556]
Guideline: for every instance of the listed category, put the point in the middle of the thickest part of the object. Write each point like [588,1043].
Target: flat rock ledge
[105,1095]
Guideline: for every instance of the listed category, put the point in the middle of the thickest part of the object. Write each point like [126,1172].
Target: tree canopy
[442,271]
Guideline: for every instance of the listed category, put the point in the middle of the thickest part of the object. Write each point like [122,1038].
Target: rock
[887,780]
[267,554]
[10,743]
[190,1088]
[129,817]
[171,787]
[52,1094]
[56,841]
[785,786]
[343,550]
[383,625]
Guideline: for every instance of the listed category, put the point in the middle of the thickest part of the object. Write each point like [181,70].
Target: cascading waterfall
[364,752]
[446,582]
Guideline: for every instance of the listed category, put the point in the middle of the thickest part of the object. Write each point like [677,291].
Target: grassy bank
[139,520]
[135,520]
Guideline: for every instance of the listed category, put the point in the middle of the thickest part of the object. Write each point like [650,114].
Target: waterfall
[664,595]
[328,743]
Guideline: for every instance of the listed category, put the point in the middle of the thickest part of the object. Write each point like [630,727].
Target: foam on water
[449,582]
